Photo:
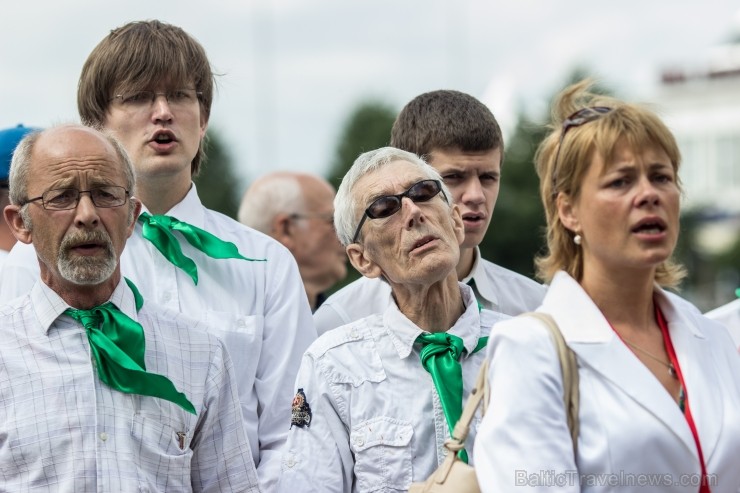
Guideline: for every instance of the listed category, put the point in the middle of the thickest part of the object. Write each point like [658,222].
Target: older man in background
[101,389]
[296,209]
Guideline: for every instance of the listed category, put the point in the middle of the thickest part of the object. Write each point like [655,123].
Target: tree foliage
[367,127]
[218,187]
[516,232]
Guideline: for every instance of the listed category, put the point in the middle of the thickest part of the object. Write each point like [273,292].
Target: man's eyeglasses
[327,217]
[580,117]
[387,205]
[67,198]
[145,99]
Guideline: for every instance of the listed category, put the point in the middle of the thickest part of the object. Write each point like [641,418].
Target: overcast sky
[292,70]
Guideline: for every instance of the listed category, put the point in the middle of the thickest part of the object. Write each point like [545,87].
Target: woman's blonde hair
[564,157]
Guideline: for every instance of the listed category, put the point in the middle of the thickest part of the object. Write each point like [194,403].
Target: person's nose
[86,214]
[161,110]
[647,193]
[473,191]
[413,214]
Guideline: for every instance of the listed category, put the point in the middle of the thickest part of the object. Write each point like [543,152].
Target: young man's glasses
[580,117]
[387,205]
[145,99]
[67,198]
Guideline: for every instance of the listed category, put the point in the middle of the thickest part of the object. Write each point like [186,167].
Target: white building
[702,108]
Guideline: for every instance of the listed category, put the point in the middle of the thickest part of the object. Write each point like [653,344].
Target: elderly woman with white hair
[376,399]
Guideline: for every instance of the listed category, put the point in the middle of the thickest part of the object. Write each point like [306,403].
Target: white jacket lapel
[596,345]
[696,362]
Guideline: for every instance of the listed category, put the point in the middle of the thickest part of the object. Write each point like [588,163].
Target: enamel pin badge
[301,412]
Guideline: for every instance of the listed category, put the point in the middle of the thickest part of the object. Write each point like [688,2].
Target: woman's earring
[577,239]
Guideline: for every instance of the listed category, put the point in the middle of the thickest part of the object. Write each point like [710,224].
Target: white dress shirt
[496,288]
[633,436]
[63,430]
[377,422]
[729,316]
[259,309]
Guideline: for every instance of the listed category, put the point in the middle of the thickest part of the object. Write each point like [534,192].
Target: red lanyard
[704,488]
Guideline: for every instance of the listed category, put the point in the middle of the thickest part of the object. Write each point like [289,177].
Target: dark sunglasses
[387,205]
[580,117]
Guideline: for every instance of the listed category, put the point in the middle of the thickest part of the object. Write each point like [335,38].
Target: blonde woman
[659,383]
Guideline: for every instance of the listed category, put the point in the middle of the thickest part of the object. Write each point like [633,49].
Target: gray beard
[86,271]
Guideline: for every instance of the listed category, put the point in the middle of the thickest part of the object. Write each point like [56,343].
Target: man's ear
[135,215]
[362,262]
[567,212]
[457,224]
[282,231]
[13,217]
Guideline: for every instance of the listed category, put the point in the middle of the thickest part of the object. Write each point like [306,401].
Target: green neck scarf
[117,344]
[158,230]
[440,356]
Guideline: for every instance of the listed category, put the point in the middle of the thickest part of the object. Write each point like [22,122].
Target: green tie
[440,356]
[117,344]
[158,230]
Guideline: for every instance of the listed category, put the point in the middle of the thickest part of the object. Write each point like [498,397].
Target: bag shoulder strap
[460,433]
[462,427]
[569,369]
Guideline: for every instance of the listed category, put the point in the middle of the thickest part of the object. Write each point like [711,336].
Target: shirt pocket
[382,454]
[164,449]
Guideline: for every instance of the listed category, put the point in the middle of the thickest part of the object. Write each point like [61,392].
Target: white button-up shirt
[496,288]
[377,422]
[63,430]
[259,309]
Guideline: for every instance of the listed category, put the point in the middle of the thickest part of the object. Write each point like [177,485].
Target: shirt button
[359,441]
[104,436]
[166,297]
[241,324]
[290,462]
[354,334]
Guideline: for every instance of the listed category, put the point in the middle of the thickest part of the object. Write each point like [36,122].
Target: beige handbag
[455,476]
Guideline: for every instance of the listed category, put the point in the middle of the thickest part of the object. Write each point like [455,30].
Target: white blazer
[633,436]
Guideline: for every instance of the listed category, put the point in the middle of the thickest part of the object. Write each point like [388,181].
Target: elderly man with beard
[377,398]
[101,390]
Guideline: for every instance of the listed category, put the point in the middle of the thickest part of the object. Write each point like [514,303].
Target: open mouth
[163,137]
[87,248]
[473,218]
[653,226]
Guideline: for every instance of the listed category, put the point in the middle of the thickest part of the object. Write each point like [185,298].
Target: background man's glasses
[387,205]
[326,217]
[67,198]
[145,99]
[580,117]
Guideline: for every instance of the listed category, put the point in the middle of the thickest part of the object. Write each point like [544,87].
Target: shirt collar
[485,290]
[189,209]
[403,332]
[48,305]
